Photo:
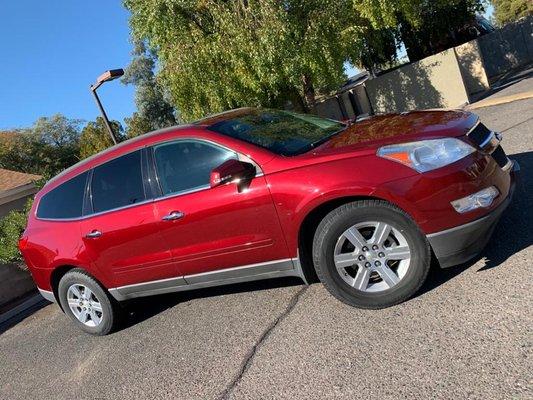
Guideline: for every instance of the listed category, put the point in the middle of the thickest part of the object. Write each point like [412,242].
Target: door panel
[122,236]
[131,248]
[222,228]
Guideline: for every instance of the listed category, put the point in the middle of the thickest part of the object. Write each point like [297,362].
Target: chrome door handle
[173,215]
[93,234]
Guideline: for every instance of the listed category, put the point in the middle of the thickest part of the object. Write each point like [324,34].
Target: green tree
[216,55]
[153,110]
[137,125]
[11,228]
[95,137]
[506,11]
[48,147]
[438,27]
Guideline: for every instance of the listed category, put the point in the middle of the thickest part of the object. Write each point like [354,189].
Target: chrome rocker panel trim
[246,273]
[47,295]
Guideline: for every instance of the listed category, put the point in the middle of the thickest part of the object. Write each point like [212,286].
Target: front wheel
[87,303]
[370,254]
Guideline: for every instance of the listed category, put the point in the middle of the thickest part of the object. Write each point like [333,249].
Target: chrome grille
[479,134]
[488,141]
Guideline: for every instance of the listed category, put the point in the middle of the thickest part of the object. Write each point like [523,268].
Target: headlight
[427,155]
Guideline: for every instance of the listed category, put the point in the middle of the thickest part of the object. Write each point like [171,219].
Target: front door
[122,235]
[209,230]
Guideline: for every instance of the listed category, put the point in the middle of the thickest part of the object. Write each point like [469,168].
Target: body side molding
[245,273]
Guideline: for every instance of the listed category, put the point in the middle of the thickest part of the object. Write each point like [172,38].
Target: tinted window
[65,201]
[118,183]
[281,132]
[186,165]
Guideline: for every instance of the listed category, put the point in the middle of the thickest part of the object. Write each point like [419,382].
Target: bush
[11,228]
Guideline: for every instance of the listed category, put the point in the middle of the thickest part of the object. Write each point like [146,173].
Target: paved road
[466,335]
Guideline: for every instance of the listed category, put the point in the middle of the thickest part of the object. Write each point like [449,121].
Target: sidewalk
[518,86]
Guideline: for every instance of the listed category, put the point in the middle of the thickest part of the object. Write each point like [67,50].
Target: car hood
[397,128]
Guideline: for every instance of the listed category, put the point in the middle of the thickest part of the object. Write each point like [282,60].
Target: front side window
[187,164]
[117,183]
[65,201]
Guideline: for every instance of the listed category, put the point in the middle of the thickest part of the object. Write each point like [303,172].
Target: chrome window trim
[193,189]
[240,157]
[170,195]
[96,214]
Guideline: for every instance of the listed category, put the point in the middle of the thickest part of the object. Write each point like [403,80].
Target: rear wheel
[87,303]
[370,254]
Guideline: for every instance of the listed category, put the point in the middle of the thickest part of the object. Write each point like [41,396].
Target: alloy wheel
[372,256]
[84,305]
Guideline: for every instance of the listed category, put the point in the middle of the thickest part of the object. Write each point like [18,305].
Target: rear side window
[186,164]
[117,183]
[65,201]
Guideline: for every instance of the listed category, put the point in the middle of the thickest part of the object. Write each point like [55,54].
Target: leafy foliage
[47,148]
[215,55]
[439,26]
[95,137]
[153,110]
[11,228]
[506,11]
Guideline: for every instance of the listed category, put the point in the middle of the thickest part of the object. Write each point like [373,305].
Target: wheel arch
[60,271]
[310,223]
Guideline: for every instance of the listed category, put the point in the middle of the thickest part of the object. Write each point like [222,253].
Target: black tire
[110,314]
[348,215]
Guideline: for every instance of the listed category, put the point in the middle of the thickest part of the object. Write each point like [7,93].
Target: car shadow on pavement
[141,309]
[513,233]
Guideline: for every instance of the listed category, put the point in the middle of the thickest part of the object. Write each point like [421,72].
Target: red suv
[255,193]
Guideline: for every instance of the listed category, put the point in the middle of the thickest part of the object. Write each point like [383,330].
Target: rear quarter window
[65,201]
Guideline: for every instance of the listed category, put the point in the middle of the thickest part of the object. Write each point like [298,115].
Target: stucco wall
[328,108]
[434,82]
[472,68]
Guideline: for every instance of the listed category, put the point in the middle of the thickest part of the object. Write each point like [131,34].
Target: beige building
[15,189]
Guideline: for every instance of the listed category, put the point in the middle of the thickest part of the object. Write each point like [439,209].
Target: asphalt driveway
[467,334]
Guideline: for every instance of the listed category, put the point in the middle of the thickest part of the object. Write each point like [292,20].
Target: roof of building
[12,179]
[354,81]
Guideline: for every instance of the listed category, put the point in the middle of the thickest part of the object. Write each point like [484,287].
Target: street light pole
[105,77]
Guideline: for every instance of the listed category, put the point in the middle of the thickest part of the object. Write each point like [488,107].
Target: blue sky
[53,50]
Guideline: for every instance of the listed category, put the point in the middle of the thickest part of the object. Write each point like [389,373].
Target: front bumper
[459,244]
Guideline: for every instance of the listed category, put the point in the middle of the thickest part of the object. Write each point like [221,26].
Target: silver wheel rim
[372,256]
[84,304]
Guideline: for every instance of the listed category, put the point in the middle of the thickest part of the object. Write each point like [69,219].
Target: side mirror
[236,171]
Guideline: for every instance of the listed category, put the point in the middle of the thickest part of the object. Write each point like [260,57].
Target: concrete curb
[29,303]
[501,100]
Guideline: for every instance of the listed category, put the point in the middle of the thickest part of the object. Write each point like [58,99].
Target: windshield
[282,132]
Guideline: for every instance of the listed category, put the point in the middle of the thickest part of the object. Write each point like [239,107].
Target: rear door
[122,233]
[214,229]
